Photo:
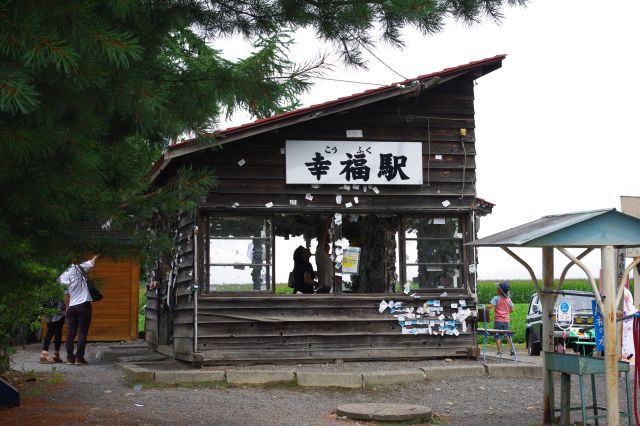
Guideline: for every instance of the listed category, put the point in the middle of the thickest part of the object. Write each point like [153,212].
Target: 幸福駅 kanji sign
[351,162]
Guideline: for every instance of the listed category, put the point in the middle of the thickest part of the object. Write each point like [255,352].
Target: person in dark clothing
[55,322]
[303,274]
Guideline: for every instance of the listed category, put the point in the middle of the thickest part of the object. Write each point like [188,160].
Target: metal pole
[195,288]
[608,262]
[548,302]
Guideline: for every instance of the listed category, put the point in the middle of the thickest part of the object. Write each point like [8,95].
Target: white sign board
[350,260]
[349,162]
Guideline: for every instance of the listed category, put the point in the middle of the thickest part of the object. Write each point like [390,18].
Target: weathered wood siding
[433,117]
[169,313]
[298,328]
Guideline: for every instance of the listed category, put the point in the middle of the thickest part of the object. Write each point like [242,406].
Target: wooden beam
[608,261]
[548,302]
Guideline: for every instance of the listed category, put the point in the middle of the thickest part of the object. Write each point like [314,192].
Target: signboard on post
[598,326]
[348,162]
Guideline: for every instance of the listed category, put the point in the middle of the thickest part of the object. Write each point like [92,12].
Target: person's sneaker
[44,358]
[81,361]
[499,354]
[71,360]
[513,353]
[56,358]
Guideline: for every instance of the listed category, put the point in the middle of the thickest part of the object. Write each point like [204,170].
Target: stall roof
[595,228]
[478,68]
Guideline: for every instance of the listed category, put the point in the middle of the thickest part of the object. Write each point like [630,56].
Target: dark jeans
[53,329]
[78,321]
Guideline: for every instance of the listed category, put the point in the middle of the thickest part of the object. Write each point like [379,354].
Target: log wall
[316,328]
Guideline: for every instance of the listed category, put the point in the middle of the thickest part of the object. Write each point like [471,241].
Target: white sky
[555,125]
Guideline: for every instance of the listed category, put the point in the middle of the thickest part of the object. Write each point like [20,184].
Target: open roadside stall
[606,230]
[391,174]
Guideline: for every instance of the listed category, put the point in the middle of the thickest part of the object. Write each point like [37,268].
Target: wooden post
[636,285]
[610,347]
[548,302]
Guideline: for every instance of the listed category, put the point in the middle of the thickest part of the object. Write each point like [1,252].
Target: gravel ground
[99,395]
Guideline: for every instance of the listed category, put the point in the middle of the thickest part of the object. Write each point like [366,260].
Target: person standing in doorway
[78,302]
[303,274]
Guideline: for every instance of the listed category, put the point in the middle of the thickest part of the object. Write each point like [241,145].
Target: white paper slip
[269,205]
[346,187]
[235,205]
[293,202]
[356,186]
[308,197]
[407,288]
[383,305]
[338,199]
[348,205]
[446,203]
[242,162]
[454,306]
[441,317]
[438,157]
[356,200]
[462,302]
[375,189]
[315,186]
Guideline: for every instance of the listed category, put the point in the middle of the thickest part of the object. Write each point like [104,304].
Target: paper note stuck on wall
[446,203]
[309,197]
[235,205]
[269,205]
[383,305]
[242,162]
[356,200]
[338,199]
[348,205]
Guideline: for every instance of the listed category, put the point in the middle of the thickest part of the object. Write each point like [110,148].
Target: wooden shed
[115,317]
[391,169]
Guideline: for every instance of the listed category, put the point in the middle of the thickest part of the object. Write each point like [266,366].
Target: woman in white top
[78,302]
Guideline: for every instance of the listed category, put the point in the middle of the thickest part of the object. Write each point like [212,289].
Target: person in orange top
[503,308]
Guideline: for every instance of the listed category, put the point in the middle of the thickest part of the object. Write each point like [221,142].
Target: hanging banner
[598,326]
[347,162]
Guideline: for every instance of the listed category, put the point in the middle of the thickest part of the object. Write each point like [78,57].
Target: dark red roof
[317,107]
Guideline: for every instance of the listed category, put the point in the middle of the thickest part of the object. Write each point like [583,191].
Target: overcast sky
[555,125]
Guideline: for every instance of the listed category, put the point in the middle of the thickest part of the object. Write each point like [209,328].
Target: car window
[578,303]
[534,302]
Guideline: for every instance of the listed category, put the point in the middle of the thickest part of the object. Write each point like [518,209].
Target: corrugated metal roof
[595,228]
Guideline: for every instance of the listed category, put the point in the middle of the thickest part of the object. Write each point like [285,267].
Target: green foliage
[91,92]
[521,290]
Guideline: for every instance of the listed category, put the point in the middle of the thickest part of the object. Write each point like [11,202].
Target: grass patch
[56,377]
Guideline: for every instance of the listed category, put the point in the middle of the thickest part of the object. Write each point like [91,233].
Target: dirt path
[97,394]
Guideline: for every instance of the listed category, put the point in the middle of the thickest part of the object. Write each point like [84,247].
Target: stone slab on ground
[189,376]
[136,373]
[260,377]
[454,372]
[143,358]
[340,380]
[513,370]
[111,354]
[392,377]
[385,412]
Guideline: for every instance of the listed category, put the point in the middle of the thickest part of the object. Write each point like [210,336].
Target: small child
[503,307]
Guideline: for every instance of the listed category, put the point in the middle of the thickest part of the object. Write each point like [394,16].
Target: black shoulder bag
[95,294]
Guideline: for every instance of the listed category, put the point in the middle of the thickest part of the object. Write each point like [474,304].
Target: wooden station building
[392,170]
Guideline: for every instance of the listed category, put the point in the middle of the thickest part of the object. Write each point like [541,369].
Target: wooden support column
[548,302]
[608,260]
